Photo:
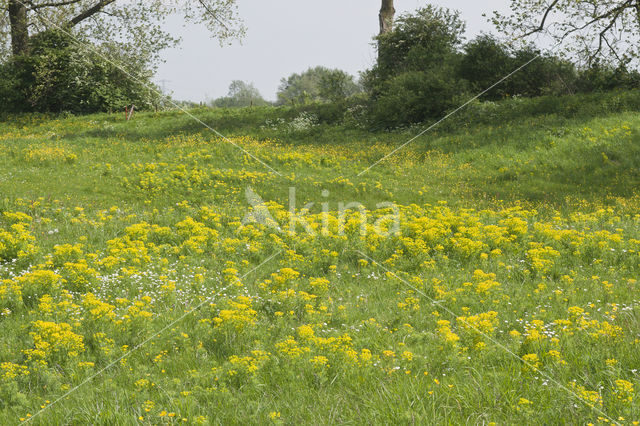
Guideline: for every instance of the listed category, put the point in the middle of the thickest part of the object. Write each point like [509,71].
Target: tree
[135,25]
[240,94]
[415,77]
[316,84]
[486,60]
[592,29]
[387,13]
[59,75]
[93,55]
[419,41]
[386,16]
[337,85]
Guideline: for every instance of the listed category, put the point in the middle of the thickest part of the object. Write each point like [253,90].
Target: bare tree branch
[594,28]
[213,15]
[34,6]
[541,27]
[90,12]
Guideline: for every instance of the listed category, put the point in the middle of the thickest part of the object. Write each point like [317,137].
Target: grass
[518,219]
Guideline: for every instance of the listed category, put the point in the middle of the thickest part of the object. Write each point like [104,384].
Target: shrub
[545,75]
[419,42]
[486,61]
[413,97]
[600,78]
[60,75]
[414,79]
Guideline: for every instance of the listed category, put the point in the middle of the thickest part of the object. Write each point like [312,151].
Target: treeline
[424,69]
[319,84]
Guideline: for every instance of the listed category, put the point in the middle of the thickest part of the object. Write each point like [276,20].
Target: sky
[287,36]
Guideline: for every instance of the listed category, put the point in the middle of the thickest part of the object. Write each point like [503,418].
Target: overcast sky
[287,36]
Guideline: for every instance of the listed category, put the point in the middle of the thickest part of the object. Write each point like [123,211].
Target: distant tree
[593,29]
[316,84]
[300,88]
[337,85]
[241,94]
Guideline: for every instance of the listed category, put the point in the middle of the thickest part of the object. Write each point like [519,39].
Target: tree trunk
[19,27]
[387,13]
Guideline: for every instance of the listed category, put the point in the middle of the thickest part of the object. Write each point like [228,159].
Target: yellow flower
[319,361]
[624,391]
[305,331]
[531,360]
[408,356]
[274,415]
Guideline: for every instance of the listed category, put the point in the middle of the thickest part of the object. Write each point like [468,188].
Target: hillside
[493,277]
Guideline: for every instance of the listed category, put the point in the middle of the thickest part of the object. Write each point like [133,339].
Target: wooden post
[128,113]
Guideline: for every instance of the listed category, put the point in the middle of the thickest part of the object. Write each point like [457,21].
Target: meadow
[132,290]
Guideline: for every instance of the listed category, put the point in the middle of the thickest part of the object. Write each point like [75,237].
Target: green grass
[527,209]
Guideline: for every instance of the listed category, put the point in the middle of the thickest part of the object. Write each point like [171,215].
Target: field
[492,274]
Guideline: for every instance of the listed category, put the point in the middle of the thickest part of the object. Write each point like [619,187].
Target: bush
[422,73]
[600,78]
[60,75]
[419,42]
[412,97]
[414,79]
[486,61]
[546,75]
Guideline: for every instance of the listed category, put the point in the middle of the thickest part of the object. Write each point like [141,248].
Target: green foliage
[317,84]
[589,30]
[423,72]
[602,77]
[414,79]
[546,74]
[414,96]
[139,28]
[300,88]
[486,60]
[61,75]
[337,85]
[421,41]
[241,94]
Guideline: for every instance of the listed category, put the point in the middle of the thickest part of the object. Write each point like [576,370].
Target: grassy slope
[568,163]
